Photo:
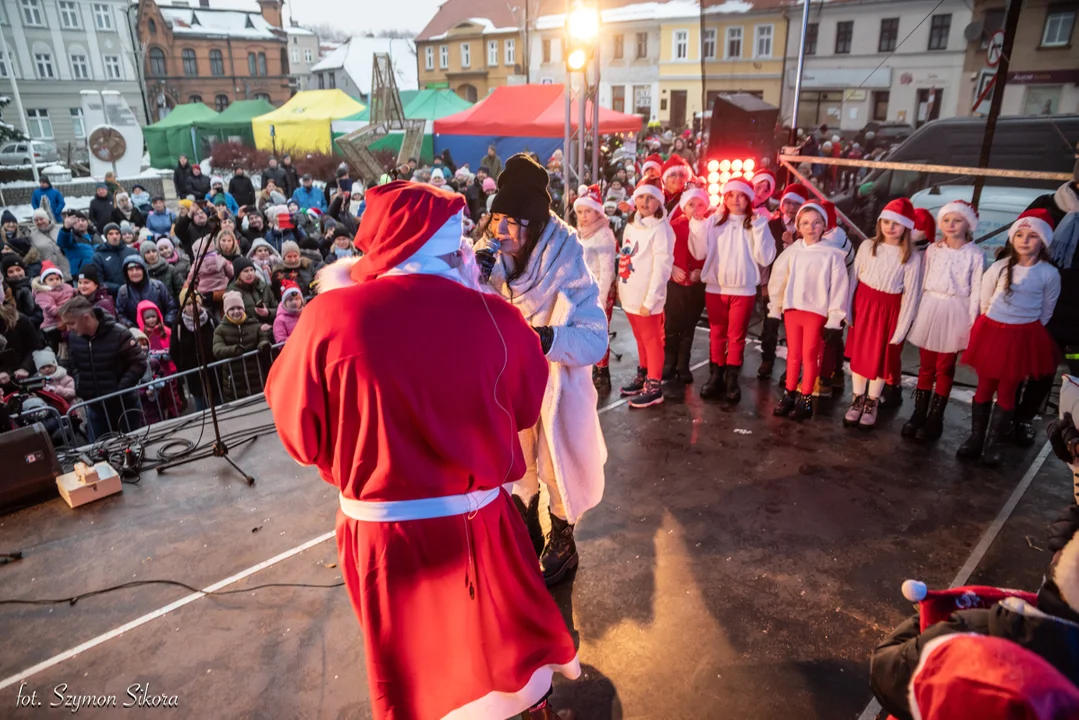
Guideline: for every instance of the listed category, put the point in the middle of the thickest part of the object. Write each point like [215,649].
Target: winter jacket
[22,340]
[100,212]
[214,274]
[735,255]
[61,384]
[493,165]
[109,361]
[134,216]
[180,262]
[109,261]
[180,176]
[50,300]
[600,255]
[256,295]
[276,237]
[188,233]
[244,377]
[23,295]
[54,197]
[158,336]
[279,176]
[285,323]
[160,223]
[102,299]
[308,198]
[185,355]
[130,295]
[78,249]
[165,272]
[644,265]
[1063,206]
[264,267]
[19,241]
[45,242]
[230,202]
[250,236]
[302,275]
[292,180]
[241,188]
[143,202]
[198,185]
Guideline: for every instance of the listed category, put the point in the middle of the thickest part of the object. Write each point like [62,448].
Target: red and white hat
[925,225]
[289,287]
[649,187]
[49,268]
[964,209]
[767,176]
[796,192]
[1038,220]
[899,210]
[589,197]
[677,165]
[694,189]
[739,184]
[653,161]
[823,210]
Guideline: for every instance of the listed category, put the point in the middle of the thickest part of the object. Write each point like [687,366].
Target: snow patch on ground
[25,212]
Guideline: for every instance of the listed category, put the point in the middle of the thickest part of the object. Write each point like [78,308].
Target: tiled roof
[202,21]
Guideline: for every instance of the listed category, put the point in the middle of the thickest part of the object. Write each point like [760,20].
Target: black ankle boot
[764,372]
[734,393]
[971,449]
[670,359]
[803,409]
[560,554]
[713,387]
[892,397]
[921,412]
[934,422]
[530,515]
[999,426]
[636,386]
[1023,433]
[601,378]
[786,403]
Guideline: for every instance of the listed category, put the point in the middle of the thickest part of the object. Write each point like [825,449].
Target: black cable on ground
[136,583]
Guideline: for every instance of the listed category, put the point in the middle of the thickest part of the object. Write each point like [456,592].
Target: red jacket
[682,257]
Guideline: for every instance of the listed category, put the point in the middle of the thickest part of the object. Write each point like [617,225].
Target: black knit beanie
[240,264]
[522,191]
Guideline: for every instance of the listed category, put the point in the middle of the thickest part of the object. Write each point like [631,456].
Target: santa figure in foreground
[456,620]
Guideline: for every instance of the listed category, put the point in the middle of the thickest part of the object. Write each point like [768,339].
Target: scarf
[189,322]
[541,281]
[239,322]
[1067,197]
[586,231]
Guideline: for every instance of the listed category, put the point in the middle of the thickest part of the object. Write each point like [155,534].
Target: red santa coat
[447,633]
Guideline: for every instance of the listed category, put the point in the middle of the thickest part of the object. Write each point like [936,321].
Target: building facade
[472,58]
[197,54]
[56,49]
[350,66]
[870,61]
[1044,75]
[303,54]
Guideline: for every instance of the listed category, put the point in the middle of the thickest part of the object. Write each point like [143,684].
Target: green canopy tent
[232,125]
[168,139]
[429,105]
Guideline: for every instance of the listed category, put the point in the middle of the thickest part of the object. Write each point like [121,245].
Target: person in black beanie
[535,261]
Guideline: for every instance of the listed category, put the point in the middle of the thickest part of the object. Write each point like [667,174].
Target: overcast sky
[358,16]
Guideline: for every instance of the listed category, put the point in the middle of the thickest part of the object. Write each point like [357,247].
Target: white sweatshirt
[951,273]
[887,273]
[837,238]
[1035,290]
[735,255]
[600,250]
[644,265]
[812,278]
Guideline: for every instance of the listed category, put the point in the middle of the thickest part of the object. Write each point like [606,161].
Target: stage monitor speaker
[742,125]
[30,468]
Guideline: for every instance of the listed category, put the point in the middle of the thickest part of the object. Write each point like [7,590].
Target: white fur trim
[651,164]
[1066,573]
[789,195]
[929,648]
[336,275]
[497,704]
[290,291]
[679,168]
[690,193]
[1037,225]
[53,271]
[739,185]
[648,190]
[588,202]
[903,220]
[816,207]
[964,210]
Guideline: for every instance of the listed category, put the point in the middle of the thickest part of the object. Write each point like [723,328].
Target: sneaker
[869,414]
[636,385]
[854,415]
[651,395]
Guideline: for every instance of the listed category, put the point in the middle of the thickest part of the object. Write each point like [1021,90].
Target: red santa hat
[589,196]
[400,219]
[739,184]
[964,209]
[767,176]
[694,189]
[653,161]
[796,192]
[1038,220]
[314,213]
[49,268]
[937,605]
[649,187]
[899,210]
[828,217]
[677,165]
[925,227]
[289,287]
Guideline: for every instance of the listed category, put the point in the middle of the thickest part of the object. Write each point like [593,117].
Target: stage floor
[739,567]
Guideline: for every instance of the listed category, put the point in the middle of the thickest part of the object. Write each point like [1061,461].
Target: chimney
[271,12]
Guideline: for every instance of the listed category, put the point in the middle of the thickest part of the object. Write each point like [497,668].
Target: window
[811,38]
[333,80]
[429,58]
[492,52]
[221,102]
[152,26]
[39,124]
[844,33]
[69,16]
[443,56]
[158,67]
[262,64]
[763,41]
[321,81]
[939,28]
[191,63]
[619,46]
[994,20]
[734,42]
[889,34]
[1058,27]
[618,98]
[546,45]
[308,56]
[466,55]
[708,48]
[4,72]
[295,54]
[681,44]
[79,68]
[112,67]
[31,13]
[252,66]
[195,99]
[642,45]
[102,16]
[262,96]
[77,123]
[880,105]
[217,63]
[44,65]
[511,51]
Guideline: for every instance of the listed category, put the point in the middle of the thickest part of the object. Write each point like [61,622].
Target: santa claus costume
[685,291]
[884,298]
[456,621]
[781,225]
[738,246]
[1009,342]
[600,255]
[950,303]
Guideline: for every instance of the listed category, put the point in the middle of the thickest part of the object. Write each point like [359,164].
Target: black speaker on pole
[742,126]
[30,468]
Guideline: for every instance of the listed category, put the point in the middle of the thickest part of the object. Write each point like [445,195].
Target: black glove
[1064,437]
[265,346]
[546,336]
[485,259]
[1063,528]
[832,335]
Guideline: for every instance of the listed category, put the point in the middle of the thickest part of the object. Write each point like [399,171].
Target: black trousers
[685,305]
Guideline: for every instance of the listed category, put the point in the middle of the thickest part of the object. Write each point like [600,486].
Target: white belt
[422,509]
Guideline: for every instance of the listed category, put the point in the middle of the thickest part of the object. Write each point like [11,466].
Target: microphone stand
[218,448]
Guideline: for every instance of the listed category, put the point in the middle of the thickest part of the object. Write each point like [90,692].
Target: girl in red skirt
[739,244]
[886,287]
[1009,342]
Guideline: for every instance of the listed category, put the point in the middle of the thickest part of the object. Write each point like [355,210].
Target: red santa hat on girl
[1038,220]
[288,287]
[764,176]
[677,165]
[653,161]
[739,184]
[693,189]
[49,268]
[899,210]
[795,192]
[589,196]
[964,209]
[925,227]
[649,187]
[828,217]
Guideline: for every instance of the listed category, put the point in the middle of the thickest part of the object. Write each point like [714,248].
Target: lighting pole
[798,78]
[581,42]
[18,103]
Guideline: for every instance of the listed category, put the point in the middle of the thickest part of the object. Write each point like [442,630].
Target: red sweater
[682,257]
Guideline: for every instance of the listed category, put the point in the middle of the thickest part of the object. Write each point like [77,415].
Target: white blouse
[886,273]
[952,273]
[1035,290]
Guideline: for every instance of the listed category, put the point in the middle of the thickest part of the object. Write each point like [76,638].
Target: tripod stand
[6,558]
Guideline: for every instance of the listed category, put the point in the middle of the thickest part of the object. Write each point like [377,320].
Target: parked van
[998,208]
[1046,143]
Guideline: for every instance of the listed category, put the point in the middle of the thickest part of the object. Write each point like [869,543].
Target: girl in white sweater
[644,267]
[808,290]
[1009,342]
[600,247]
[884,296]
[739,244]
[949,306]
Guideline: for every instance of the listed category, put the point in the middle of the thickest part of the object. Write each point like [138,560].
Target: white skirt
[942,324]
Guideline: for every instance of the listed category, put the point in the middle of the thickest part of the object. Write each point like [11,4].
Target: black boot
[921,411]
[934,422]
[669,360]
[892,397]
[734,393]
[769,340]
[636,385]
[971,449]
[803,409]
[560,554]
[685,348]
[530,515]
[998,431]
[764,372]
[786,403]
[713,387]
[1034,394]
[601,378]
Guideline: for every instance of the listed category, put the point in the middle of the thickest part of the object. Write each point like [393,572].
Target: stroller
[25,402]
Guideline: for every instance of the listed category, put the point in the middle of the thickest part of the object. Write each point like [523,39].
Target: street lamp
[577,59]
[583,24]
[581,43]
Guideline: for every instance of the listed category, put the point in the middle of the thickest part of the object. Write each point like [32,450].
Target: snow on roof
[487,28]
[357,56]
[297,30]
[203,21]
[659,11]
[453,12]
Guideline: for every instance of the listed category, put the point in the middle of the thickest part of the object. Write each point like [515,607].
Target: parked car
[18,153]
[885,134]
[998,208]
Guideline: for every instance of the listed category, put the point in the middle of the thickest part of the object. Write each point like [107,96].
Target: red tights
[938,367]
[1005,390]
[803,348]
[728,320]
[648,332]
